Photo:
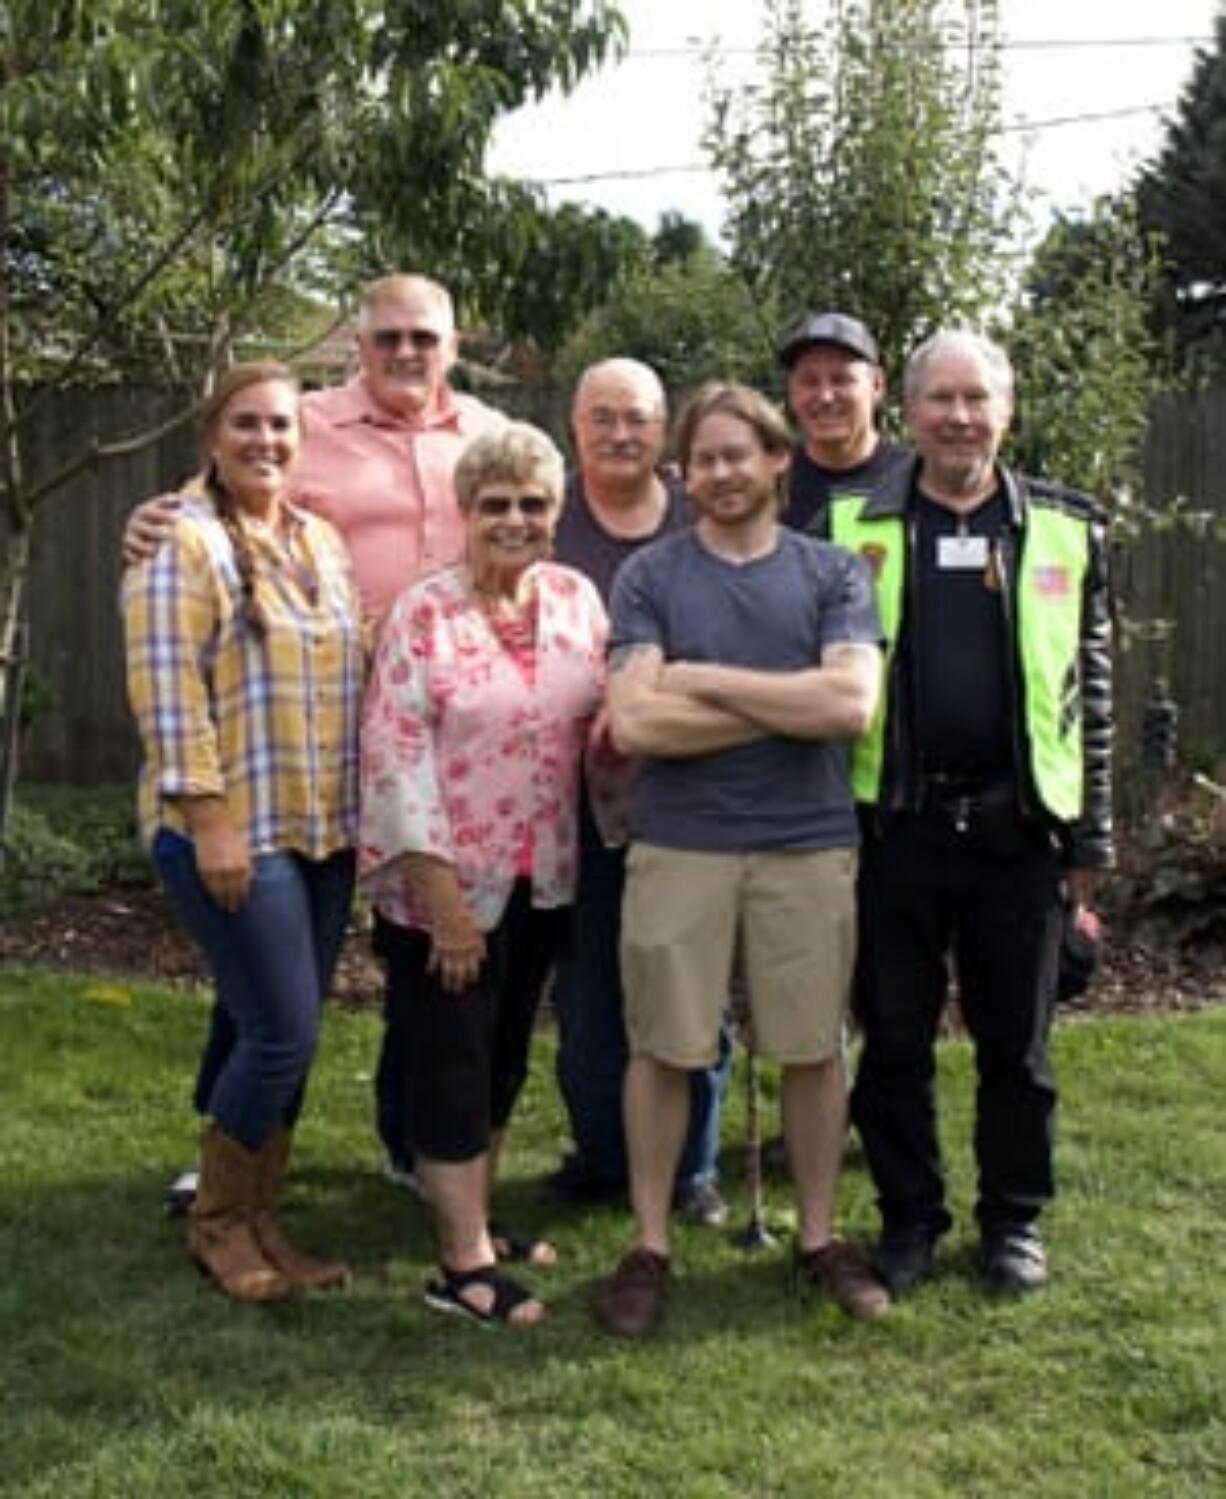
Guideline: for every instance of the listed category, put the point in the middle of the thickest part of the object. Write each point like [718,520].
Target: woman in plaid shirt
[244,657]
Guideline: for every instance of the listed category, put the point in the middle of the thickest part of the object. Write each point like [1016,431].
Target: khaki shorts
[796,914]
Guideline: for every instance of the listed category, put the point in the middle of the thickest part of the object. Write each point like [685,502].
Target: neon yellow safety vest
[1055,555]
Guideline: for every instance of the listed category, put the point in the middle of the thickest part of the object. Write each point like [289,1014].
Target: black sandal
[446,1294]
[511,1246]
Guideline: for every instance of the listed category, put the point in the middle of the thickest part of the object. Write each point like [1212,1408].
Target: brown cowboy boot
[296,1267]
[220,1234]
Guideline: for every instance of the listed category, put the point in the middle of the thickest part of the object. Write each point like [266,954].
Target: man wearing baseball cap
[835,384]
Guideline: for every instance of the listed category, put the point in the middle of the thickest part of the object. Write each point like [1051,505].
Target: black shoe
[903,1258]
[181,1193]
[575,1181]
[1014,1260]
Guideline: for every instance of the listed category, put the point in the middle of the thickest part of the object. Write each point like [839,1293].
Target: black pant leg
[530,940]
[1007,952]
[901,984]
[392,1070]
[447,1037]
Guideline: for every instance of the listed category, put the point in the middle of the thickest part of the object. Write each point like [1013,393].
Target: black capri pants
[467,1053]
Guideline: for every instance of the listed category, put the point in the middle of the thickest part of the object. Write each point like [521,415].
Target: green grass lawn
[123,1373]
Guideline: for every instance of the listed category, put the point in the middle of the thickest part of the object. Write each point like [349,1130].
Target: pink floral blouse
[465,755]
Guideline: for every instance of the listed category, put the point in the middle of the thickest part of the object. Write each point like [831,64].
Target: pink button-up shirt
[463,753]
[385,483]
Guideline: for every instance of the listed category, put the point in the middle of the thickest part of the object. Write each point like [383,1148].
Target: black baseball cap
[827,328]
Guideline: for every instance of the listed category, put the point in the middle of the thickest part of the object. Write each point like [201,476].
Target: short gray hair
[958,341]
[401,287]
[517,453]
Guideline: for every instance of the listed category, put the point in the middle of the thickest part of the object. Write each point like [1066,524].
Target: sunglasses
[499,506]
[388,340]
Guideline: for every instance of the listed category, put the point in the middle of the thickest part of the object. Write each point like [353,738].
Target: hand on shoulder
[149,525]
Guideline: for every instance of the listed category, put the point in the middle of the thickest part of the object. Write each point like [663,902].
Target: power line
[627,174]
[1032,44]
[1048,44]
[1020,126]
[1014,127]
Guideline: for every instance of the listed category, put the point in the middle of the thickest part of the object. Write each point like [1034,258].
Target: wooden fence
[76,638]
[1171,580]
[1172,583]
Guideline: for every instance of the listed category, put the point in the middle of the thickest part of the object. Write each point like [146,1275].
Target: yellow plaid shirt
[269,723]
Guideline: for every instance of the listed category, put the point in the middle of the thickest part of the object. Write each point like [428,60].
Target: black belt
[965,799]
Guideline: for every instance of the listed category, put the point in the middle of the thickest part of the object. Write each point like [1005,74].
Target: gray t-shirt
[775,613]
[583,543]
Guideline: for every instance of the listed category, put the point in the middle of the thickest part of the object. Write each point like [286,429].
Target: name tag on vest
[961,553]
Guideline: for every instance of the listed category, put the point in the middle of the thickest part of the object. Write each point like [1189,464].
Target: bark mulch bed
[132,933]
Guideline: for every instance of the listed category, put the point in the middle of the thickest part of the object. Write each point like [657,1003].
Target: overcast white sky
[646,113]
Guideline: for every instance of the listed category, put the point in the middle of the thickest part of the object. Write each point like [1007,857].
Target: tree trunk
[14,532]
[13,636]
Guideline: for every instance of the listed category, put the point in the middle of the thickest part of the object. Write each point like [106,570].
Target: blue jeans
[592,1051]
[218,1045]
[272,961]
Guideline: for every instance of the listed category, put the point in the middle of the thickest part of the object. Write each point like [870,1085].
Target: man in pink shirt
[380,450]
[376,460]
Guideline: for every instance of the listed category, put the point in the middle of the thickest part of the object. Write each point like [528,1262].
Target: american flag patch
[1051,582]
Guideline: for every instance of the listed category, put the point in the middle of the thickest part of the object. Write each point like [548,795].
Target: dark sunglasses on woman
[498,506]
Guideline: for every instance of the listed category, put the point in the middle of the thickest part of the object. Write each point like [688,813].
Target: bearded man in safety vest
[985,788]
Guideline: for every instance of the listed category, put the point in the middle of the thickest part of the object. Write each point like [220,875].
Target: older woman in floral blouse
[487,677]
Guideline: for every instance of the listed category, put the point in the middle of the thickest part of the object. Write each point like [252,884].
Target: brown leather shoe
[838,1270]
[631,1302]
